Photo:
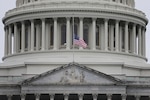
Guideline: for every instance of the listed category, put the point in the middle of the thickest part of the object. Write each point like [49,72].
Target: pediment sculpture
[73,76]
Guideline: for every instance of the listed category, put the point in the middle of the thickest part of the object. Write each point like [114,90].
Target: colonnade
[56,34]
[73,97]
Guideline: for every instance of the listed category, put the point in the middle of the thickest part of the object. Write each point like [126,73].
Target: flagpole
[73,35]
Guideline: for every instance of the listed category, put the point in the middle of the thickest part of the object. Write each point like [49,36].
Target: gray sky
[6,5]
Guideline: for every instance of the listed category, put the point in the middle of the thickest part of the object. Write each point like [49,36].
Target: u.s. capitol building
[41,62]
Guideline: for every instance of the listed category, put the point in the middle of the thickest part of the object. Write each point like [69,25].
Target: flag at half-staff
[79,41]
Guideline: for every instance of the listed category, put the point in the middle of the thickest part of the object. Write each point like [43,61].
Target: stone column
[117,36]
[52,96]
[109,96]
[123,96]
[134,39]
[95,96]
[29,38]
[6,41]
[55,35]
[66,96]
[68,35]
[10,41]
[23,97]
[124,1]
[47,36]
[139,41]
[37,96]
[15,38]
[9,97]
[32,35]
[22,36]
[126,38]
[80,96]
[81,29]
[120,41]
[102,36]
[43,35]
[144,42]
[38,37]
[137,97]
[93,34]
[106,35]
[112,38]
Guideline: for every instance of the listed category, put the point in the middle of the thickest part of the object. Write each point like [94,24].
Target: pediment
[72,73]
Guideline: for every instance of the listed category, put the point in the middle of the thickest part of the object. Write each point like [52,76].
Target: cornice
[19,16]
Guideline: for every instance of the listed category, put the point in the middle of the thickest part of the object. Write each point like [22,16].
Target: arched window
[85,33]
[63,34]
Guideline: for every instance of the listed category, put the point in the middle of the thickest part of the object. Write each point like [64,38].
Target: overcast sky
[5,5]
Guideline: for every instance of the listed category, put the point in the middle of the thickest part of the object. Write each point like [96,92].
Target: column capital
[80,95]
[137,97]
[32,20]
[117,20]
[15,23]
[42,19]
[68,18]
[37,95]
[23,22]
[123,96]
[94,18]
[95,96]
[66,96]
[55,18]
[106,19]
[140,26]
[81,18]
[134,24]
[52,96]
[22,95]
[9,95]
[109,96]
[126,23]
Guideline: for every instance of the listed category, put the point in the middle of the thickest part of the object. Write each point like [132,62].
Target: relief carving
[73,76]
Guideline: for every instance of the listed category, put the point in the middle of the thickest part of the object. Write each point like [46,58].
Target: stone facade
[39,39]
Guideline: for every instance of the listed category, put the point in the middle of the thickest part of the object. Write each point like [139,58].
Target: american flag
[79,42]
